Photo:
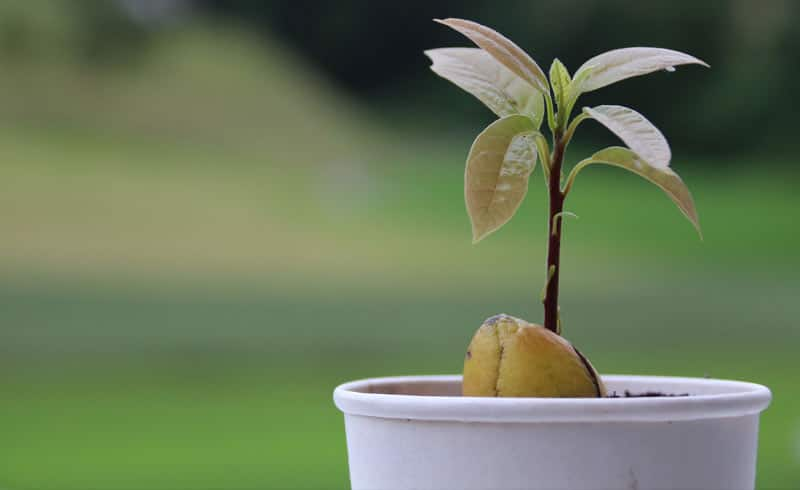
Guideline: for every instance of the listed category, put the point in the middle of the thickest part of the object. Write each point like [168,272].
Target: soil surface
[646,394]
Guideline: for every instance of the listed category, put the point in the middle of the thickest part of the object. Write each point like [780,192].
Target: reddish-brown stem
[554,242]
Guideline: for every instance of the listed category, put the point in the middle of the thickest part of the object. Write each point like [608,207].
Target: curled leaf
[560,216]
[503,50]
[560,80]
[498,167]
[619,64]
[635,130]
[475,71]
[664,177]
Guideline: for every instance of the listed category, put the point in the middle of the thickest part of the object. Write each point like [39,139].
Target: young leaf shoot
[499,165]
[508,81]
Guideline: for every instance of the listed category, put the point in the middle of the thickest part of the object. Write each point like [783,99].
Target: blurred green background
[214,212]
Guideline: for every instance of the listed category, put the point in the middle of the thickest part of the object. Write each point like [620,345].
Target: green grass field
[175,325]
[175,310]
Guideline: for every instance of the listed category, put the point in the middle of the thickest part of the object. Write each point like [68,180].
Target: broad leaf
[635,130]
[498,166]
[619,64]
[559,80]
[664,178]
[475,71]
[503,50]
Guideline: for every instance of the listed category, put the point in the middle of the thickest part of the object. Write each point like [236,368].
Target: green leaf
[664,177]
[475,71]
[498,167]
[574,89]
[635,130]
[560,80]
[503,50]
[619,64]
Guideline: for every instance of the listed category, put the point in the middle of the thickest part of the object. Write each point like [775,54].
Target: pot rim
[708,398]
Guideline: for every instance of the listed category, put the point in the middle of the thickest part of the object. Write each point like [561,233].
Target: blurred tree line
[373,51]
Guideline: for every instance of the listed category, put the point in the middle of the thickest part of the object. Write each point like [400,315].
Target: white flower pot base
[419,433]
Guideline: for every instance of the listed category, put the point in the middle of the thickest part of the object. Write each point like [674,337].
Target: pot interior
[418,387]
[451,386]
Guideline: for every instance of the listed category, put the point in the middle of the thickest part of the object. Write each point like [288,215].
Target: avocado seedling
[509,356]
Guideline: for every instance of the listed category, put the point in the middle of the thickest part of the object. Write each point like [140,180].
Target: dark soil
[646,394]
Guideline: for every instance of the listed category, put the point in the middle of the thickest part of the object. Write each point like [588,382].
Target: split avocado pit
[509,357]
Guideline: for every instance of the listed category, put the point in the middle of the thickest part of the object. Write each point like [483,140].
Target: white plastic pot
[419,433]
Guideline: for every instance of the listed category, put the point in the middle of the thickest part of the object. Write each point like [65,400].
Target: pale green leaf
[503,50]
[574,89]
[559,80]
[498,167]
[664,178]
[619,64]
[635,130]
[475,71]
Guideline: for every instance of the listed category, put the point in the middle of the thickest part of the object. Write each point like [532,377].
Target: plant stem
[554,242]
